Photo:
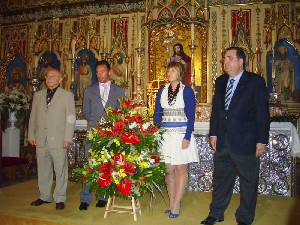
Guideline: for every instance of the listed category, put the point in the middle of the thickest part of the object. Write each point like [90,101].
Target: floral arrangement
[15,101]
[123,159]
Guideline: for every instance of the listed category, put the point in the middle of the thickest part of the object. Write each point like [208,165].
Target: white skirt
[172,152]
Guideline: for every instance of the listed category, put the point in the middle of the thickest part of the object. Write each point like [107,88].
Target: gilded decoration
[3,78]
[184,22]
[48,37]
[233,2]
[161,42]
[268,26]
[140,93]
[80,34]
[119,51]
[242,16]
[13,5]
[297,32]
[241,40]
[14,41]
[285,32]
[20,4]
[73,10]
[224,30]
[258,50]
[214,55]
[283,14]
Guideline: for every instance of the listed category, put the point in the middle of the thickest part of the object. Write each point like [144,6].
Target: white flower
[132,125]
[146,125]
[14,101]
[152,161]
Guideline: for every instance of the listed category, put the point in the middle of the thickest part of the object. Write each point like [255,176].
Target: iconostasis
[139,40]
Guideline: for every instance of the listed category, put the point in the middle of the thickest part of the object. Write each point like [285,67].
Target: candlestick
[104,44]
[73,46]
[273,63]
[193,48]
[140,36]
[193,32]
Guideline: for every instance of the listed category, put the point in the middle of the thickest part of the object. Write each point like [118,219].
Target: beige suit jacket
[52,124]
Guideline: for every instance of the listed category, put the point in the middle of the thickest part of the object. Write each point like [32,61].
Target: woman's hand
[185,144]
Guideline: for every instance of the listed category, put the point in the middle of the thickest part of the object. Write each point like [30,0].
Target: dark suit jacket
[93,109]
[246,121]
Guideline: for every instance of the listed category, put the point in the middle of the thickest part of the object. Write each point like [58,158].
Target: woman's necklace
[172,95]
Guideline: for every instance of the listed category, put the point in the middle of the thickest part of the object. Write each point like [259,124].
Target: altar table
[277,169]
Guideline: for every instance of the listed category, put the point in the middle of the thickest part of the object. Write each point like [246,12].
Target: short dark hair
[103,62]
[240,54]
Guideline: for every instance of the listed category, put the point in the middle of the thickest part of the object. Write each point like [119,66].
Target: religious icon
[16,81]
[84,76]
[285,75]
[117,72]
[185,60]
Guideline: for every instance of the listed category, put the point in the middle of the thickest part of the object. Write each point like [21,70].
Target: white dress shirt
[104,91]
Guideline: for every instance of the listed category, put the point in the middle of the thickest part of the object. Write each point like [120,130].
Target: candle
[104,43]
[193,32]
[140,37]
[73,47]
[88,41]
[230,36]
[273,62]
[206,9]
[273,38]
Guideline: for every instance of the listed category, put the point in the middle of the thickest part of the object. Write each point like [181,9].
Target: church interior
[139,38]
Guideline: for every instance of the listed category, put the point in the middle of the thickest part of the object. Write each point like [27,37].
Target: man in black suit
[239,132]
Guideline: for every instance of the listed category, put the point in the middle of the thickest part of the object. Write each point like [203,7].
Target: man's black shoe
[60,205]
[101,203]
[83,206]
[241,223]
[38,202]
[211,220]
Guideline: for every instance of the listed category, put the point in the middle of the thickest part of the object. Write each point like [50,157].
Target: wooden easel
[133,208]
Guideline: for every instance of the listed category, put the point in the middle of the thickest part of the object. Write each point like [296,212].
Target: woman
[175,112]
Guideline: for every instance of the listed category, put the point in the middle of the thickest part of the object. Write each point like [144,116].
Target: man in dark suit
[239,132]
[97,97]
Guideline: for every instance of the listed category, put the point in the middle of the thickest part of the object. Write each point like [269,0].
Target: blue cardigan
[189,109]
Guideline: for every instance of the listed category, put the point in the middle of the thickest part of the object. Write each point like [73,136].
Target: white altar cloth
[202,128]
[11,142]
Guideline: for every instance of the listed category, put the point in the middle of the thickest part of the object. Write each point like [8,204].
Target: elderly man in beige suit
[51,128]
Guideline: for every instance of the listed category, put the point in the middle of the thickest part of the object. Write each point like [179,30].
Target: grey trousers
[47,160]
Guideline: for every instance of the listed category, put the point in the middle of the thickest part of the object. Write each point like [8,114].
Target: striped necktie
[229,93]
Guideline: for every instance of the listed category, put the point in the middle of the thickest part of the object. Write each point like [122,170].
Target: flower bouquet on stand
[123,160]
